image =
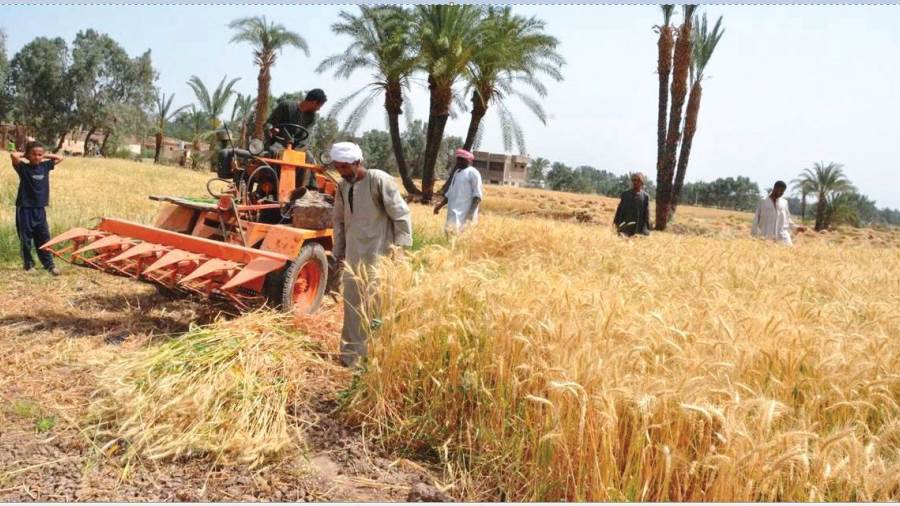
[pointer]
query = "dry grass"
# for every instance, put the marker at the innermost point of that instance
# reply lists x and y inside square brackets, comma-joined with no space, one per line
[552,361]
[83,189]
[226,392]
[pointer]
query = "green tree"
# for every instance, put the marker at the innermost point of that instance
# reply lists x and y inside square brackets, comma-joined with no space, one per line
[825,180]
[164,114]
[213,104]
[326,133]
[681,65]
[414,146]
[704,44]
[42,95]
[537,168]
[377,150]
[267,40]
[445,36]
[561,177]
[382,45]
[111,89]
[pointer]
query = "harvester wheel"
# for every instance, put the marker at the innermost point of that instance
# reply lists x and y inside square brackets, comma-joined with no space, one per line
[300,287]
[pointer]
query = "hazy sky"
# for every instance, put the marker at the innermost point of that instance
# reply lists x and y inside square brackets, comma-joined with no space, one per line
[787,86]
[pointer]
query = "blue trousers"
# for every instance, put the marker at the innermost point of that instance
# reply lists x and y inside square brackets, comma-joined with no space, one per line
[32,227]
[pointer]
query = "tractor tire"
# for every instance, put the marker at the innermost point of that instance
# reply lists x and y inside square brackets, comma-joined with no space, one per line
[300,287]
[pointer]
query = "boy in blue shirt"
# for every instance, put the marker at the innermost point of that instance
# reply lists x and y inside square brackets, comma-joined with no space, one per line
[33,168]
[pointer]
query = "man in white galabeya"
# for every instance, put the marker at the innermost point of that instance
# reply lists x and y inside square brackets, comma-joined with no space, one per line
[464,195]
[772,220]
[370,218]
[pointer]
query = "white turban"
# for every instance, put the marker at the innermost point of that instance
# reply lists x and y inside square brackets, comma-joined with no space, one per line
[346,152]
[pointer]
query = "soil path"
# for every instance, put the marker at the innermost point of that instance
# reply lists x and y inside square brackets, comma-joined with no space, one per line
[55,332]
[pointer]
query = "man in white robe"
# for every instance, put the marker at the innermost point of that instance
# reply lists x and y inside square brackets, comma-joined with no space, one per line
[464,196]
[370,218]
[772,220]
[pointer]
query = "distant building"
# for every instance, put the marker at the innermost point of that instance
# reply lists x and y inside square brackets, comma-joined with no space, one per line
[502,169]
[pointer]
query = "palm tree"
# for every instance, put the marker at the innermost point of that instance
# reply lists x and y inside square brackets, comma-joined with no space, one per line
[825,180]
[382,44]
[213,105]
[664,69]
[240,114]
[164,114]
[511,50]
[446,42]
[267,39]
[805,188]
[680,69]
[704,44]
[198,122]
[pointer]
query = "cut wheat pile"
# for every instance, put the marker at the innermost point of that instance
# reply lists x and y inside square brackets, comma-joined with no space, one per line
[550,361]
[225,391]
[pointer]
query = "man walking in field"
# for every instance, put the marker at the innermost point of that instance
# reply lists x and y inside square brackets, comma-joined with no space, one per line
[370,218]
[33,168]
[633,213]
[772,220]
[464,196]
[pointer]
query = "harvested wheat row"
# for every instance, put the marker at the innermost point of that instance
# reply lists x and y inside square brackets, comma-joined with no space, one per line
[224,391]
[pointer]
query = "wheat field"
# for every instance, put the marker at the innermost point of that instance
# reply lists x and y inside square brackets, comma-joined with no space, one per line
[536,357]
[541,360]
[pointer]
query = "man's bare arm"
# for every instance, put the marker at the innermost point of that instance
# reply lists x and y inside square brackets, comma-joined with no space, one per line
[15,158]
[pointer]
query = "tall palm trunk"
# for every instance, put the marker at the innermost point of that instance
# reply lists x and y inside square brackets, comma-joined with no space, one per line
[262,101]
[393,104]
[681,66]
[479,110]
[664,69]
[159,140]
[437,120]
[242,142]
[690,127]
[820,211]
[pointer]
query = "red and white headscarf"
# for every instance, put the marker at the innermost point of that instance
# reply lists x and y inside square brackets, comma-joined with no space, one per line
[462,153]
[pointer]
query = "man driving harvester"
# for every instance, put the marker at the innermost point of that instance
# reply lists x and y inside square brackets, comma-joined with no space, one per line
[289,123]
[302,114]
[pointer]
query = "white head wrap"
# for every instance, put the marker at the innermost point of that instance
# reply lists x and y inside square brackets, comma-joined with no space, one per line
[346,152]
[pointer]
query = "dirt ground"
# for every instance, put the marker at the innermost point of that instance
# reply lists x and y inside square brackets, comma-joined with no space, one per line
[55,333]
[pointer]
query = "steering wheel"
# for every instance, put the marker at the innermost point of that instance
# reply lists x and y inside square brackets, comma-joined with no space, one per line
[290,133]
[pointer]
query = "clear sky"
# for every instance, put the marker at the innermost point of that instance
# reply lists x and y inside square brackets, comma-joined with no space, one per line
[787,86]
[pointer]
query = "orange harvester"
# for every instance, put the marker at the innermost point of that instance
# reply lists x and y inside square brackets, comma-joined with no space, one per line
[232,250]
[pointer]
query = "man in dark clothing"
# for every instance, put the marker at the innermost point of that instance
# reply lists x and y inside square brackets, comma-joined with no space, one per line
[633,213]
[33,168]
[301,113]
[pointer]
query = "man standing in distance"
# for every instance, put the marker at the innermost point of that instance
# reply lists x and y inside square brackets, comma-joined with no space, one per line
[464,196]
[633,214]
[772,220]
